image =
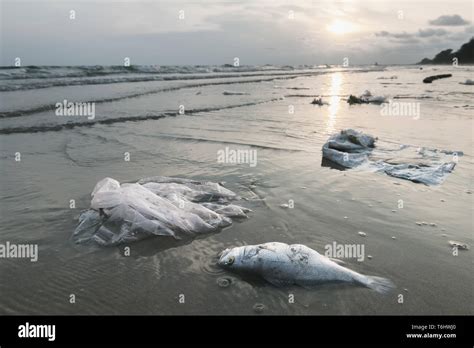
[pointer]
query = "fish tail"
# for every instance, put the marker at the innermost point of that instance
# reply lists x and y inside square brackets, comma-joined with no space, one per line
[379,284]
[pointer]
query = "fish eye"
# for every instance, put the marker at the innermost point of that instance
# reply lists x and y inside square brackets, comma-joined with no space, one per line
[230,260]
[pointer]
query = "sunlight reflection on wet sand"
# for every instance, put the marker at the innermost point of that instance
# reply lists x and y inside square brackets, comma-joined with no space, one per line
[334,91]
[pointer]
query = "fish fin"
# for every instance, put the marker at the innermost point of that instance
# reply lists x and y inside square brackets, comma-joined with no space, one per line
[309,285]
[339,262]
[379,284]
[281,283]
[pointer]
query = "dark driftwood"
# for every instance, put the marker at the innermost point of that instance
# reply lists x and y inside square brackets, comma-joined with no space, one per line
[436,77]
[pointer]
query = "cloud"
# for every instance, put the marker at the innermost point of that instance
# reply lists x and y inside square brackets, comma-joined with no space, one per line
[449,20]
[257,32]
[431,32]
[469,29]
[412,37]
[406,41]
[403,35]
[382,33]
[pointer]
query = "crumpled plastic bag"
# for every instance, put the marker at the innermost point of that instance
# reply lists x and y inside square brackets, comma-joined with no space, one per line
[159,206]
[351,149]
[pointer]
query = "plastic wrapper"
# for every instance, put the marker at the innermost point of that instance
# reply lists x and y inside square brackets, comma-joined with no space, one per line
[160,206]
[351,149]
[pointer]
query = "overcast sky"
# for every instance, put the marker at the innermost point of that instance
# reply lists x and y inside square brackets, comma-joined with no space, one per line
[214,32]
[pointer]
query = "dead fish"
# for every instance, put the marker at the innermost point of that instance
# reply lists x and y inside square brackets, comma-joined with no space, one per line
[281,265]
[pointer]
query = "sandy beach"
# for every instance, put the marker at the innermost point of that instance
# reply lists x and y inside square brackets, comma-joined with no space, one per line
[177,127]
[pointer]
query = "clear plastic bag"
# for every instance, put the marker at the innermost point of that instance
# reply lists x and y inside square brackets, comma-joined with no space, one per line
[170,207]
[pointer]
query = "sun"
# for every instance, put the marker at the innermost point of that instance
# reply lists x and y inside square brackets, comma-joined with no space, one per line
[340,27]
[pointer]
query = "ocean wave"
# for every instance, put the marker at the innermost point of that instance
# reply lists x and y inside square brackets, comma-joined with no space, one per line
[48,72]
[71,125]
[37,77]
[48,107]
[204,140]
[38,84]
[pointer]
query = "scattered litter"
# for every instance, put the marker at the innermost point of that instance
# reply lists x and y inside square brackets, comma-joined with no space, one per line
[350,148]
[459,245]
[259,308]
[366,98]
[318,101]
[234,93]
[158,206]
[468,82]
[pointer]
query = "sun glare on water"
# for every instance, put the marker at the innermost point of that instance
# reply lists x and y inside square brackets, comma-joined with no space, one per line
[340,27]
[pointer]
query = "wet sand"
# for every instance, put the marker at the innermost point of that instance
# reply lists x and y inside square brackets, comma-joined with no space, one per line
[63,165]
